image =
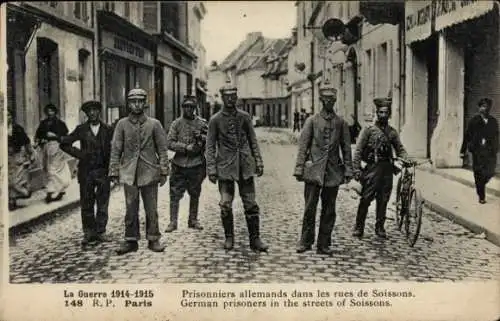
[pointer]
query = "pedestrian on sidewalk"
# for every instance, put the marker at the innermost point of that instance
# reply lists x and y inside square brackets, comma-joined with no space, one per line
[139,160]
[187,138]
[47,136]
[233,155]
[323,139]
[374,147]
[21,156]
[93,163]
[481,140]
[296,117]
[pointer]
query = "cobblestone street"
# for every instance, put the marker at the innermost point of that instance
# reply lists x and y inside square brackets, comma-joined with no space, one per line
[51,252]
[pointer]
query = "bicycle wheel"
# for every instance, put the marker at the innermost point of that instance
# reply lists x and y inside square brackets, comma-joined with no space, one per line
[413,218]
[399,205]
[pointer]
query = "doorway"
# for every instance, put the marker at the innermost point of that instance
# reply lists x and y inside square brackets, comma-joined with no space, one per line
[48,73]
[432,53]
[159,97]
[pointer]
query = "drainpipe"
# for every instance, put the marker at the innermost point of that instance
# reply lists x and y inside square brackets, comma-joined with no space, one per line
[312,77]
[95,42]
[402,71]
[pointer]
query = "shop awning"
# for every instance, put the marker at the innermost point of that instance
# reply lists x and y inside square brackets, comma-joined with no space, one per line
[418,20]
[449,13]
[378,12]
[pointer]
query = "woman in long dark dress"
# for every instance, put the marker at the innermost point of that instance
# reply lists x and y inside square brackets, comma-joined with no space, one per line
[21,156]
[55,160]
[481,140]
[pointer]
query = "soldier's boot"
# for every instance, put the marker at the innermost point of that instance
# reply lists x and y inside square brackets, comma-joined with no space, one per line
[174,213]
[380,219]
[193,214]
[127,247]
[156,246]
[228,224]
[253,224]
[360,220]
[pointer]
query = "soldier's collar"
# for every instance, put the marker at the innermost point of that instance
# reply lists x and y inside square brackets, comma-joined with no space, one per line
[229,111]
[327,115]
[134,119]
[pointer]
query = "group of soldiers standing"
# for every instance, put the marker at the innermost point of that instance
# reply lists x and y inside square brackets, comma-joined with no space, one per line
[135,154]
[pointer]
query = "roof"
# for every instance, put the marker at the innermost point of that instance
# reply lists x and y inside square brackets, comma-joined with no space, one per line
[279,64]
[234,56]
[257,58]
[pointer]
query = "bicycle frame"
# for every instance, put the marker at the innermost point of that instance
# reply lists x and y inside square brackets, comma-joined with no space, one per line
[406,187]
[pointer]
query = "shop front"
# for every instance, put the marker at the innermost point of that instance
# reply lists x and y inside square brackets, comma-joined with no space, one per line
[176,63]
[126,62]
[452,61]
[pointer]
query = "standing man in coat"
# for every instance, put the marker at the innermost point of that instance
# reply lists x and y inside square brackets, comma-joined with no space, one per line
[139,160]
[374,147]
[187,138]
[233,155]
[481,140]
[323,139]
[93,162]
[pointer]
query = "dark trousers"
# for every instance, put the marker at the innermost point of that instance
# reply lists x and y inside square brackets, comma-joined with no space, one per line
[94,190]
[481,180]
[377,184]
[484,163]
[247,193]
[312,194]
[149,195]
[184,179]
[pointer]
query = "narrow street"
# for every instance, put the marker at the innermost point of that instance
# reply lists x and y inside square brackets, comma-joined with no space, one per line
[51,253]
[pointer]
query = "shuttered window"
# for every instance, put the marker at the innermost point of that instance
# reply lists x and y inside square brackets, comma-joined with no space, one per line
[150,16]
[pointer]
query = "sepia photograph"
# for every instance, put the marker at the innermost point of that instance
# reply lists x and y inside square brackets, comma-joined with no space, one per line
[299,152]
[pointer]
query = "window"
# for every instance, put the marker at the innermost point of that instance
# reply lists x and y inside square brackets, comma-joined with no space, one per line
[81,10]
[109,6]
[170,19]
[341,10]
[382,77]
[126,9]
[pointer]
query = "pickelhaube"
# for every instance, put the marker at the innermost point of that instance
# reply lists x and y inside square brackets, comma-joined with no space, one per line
[383,101]
[326,89]
[137,93]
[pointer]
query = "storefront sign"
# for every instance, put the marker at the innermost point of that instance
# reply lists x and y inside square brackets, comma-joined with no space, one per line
[418,20]
[126,49]
[450,12]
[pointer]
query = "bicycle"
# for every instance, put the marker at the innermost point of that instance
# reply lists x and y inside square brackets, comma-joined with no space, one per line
[409,201]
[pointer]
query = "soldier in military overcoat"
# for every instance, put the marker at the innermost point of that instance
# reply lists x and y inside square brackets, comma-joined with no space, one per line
[323,163]
[233,155]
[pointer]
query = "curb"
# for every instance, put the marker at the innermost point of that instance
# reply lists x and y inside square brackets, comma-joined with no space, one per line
[490,236]
[15,229]
[468,183]
[44,216]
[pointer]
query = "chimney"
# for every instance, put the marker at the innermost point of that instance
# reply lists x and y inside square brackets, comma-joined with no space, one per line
[253,36]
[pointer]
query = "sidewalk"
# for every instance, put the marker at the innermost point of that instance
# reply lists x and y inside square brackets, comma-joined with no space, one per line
[36,208]
[451,193]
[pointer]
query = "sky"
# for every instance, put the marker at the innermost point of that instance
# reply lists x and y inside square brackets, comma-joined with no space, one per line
[227,23]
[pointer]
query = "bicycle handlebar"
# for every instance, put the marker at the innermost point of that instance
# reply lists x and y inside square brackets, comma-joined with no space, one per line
[411,163]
